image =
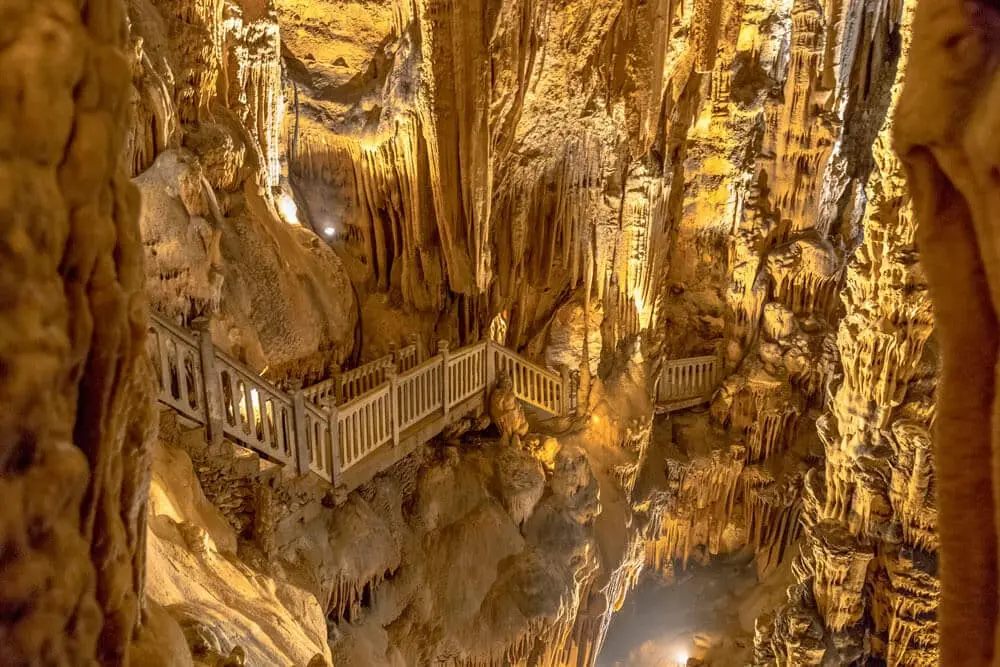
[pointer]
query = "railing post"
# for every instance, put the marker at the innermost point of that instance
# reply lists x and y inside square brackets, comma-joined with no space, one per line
[211,390]
[443,351]
[338,386]
[491,367]
[564,394]
[393,378]
[414,340]
[334,446]
[299,429]
[394,353]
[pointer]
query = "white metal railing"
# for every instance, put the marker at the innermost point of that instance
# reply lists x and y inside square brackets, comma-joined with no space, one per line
[323,393]
[177,362]
[466,373]
[357,382]
[420,393]
[365,425]
[534,385]
[688,379]
[255,413]
[408,357]
[318,435]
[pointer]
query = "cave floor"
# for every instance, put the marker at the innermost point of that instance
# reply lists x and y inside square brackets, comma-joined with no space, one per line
[708,613]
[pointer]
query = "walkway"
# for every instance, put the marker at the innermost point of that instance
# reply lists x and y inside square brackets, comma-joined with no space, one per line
[350,428]
[685,383]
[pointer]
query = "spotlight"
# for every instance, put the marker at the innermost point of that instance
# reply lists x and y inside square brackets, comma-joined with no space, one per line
[682,658]
[330,232]
[288,210]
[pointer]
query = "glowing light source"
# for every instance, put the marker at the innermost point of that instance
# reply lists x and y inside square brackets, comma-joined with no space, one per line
[640,303]
[330,232]
[595,419]
[288,210]
[681,657]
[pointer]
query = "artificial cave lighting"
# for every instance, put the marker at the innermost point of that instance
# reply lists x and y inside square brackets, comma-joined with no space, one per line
[288,209]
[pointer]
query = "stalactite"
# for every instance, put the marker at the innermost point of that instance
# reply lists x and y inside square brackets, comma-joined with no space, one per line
[347,596]
[700,500]
[198,34]
[870,524]
[772,515]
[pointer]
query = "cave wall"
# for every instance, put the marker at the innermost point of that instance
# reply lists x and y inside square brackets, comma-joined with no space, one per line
[698,171]
[867,573]
[74,383]
[471,159]
[202,145]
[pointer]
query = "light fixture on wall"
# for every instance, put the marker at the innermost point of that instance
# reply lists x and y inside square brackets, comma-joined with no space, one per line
[329,232]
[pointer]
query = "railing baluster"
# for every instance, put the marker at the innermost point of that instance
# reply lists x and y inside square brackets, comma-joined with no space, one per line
[445,384]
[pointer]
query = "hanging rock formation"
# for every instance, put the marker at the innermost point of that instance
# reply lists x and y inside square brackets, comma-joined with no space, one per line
[600,185]
[868,565]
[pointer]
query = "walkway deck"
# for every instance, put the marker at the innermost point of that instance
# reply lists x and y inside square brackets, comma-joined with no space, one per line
[387,413]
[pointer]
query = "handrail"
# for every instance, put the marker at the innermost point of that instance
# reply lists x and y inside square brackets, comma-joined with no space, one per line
[683,381]
[690,360]
[322,392]
[420,393]
[175,356]
[257,414]
[407,358]
[312,432]
[348,385]
[365,425]
[534,385]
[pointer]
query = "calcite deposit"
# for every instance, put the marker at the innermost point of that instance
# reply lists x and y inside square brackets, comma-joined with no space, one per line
[607,190]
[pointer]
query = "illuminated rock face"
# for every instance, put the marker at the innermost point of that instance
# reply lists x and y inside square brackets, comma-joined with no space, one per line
[868,567]
[204,147]
[701,173]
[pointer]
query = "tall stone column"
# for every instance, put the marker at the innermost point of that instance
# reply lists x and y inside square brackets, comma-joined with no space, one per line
[75,411]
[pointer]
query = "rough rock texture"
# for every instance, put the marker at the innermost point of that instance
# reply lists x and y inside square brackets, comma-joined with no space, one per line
[605,185]
[73,378]
[945,133]
[469,157]
[221,604]
[506,410]
[868,567]
[203,145]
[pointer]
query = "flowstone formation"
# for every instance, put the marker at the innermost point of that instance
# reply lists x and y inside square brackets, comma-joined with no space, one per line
[600,186]
[203,147]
